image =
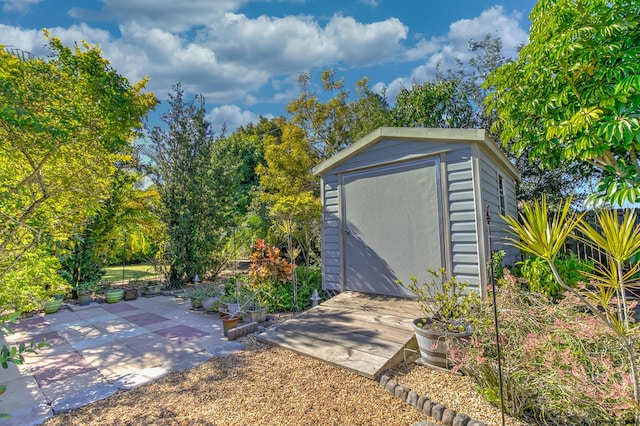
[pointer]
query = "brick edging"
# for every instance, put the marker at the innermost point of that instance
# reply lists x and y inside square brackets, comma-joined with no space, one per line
[425,405]
[241,331]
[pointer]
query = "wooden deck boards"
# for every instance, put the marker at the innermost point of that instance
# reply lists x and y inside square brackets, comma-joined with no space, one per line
[363,333]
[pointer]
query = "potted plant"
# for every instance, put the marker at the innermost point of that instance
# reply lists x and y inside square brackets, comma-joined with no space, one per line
[153,288]
[84,290]
[131,290]
[446,305]
[199,294]
[255,312]
[114,295]
[52,306]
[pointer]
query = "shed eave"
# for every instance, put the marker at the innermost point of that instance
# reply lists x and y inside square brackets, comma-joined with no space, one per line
[478,136]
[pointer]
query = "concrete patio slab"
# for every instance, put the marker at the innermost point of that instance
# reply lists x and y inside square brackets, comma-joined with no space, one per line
[101,348]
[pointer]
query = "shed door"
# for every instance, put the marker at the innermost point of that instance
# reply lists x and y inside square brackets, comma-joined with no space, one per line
[391,226]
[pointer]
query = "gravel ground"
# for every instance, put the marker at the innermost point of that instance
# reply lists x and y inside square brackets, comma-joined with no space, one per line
[262,386]
[454,391]
[271,386]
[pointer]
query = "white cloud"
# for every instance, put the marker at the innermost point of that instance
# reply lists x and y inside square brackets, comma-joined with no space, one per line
[18,5]
[371,3]
[295,43]
[33,41]
[423,48]
[445,51]
[171,15]
[232,116]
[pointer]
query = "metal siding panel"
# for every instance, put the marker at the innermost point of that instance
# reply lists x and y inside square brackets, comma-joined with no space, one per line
[465,258]
[460,186]
[472,280]
[460,237]
[459,206]
[463,227]
[332,261]
[462,175]
[460,269]
[463,217]
[389,150]
[461,196]
[465,248]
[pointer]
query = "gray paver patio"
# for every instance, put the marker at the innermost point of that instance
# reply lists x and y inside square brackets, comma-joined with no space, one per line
[96,350]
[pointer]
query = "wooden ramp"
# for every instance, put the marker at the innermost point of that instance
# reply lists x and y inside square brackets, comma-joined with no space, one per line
[364,333]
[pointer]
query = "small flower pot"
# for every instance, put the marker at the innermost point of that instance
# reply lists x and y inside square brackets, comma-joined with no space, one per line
[84,299]
[114,295]
[228,323]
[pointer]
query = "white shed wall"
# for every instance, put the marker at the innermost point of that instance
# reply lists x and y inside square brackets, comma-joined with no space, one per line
[461,255]
[491,197]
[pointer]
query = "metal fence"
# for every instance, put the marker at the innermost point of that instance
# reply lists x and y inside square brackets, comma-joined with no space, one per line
[585,251]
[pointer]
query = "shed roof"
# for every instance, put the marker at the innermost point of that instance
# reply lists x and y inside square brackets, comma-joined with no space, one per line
[478,136]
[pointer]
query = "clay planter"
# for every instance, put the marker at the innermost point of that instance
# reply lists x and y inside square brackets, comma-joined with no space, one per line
[433,344]
[228,324]
[52,306]
[84,299]
[114,295]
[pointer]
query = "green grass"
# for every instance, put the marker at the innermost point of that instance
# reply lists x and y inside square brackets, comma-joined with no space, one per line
[131,272]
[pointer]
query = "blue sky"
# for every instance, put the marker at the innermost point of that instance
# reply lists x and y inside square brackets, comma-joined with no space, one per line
[244,55]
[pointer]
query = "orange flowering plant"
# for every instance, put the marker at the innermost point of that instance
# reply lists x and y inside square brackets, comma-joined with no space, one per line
[268,265]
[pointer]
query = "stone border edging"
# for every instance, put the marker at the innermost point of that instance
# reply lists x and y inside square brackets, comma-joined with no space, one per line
[424,404]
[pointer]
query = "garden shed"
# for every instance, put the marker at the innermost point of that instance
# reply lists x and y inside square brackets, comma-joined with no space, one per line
[401,200]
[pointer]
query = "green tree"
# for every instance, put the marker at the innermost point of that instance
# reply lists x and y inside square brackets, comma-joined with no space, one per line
[194,201]
[64,123]
[442,103]
[125,224]
[573,94]
[456,98]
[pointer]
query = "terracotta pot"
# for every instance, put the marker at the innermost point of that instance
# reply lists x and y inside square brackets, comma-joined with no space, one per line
[228,324]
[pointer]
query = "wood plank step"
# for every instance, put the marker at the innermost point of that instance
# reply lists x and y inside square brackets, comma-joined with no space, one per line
[363,333]
[363,340]
[361,324]
[362,363]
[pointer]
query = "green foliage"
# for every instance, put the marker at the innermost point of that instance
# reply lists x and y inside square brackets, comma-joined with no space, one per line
[443,300]
[278,295]
[200,293]
[33,281]
[64,122]
[193,188]
[433,104]
[609,282]
[560,364]
[541,279]
[496,263]
[573,94]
